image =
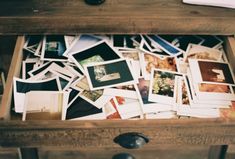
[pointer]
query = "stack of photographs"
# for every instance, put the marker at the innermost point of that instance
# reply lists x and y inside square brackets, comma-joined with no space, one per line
[96,77]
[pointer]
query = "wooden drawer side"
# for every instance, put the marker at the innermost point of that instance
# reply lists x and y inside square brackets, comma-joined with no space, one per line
[15,69]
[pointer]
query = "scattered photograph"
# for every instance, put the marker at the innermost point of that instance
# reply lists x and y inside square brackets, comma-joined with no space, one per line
[97,98]
[211,71]
[27,66]
[165,46]
[183,41]
[128,108]
[23,86]
[111,110]
[81,109]
[50,108]
[143,94]
[211,41]
[150,62]
[228,113]
[72,94]
[202,52]
[128,91]
[81,42]
[109,74]
[53,48]
[33,44]
[163,87]
[99,52]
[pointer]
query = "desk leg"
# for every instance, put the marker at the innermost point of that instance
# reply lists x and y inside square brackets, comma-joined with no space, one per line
[28,153]
[217,152]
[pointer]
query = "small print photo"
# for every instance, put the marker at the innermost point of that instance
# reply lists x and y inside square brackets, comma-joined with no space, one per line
[157,62]
[80,109]
[128,91]
[110,109]
[163,87]
[211,71]
[202,52]
[165,45]
[99,52]
[50,108]
[97,98]
[209,91]
[53,48]
[109,74]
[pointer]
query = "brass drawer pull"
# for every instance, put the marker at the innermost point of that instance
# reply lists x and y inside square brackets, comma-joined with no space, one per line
[123,156]
[131,140]
[94,2]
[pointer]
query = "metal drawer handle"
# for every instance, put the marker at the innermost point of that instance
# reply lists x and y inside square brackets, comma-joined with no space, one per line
[123,156]
[94,2]
[131,140]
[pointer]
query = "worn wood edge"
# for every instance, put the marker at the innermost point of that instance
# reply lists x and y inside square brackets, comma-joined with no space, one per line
[14,70]
[89,25]
[90,124]
[230,50]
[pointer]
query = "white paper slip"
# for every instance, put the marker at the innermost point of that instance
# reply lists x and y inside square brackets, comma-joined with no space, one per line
[217,3]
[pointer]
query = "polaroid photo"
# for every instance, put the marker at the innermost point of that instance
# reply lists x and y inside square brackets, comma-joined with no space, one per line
[211,71]
[182,42]
[27,66]
[33,44]
[128,91]
[53,48]
[143,95]
[80,109]
[100,52]
[74,70]
[136,40]
[81,84]
[122,42]
[134,57]
[81,42]
[215,91]
[164,45]
[73,93]
[146,46]
[184,108]
[109,74]
[23,86]
[228,113]
[163,86]
[211,41]
[151,61]
[39,69]
[44,69]
[128,108]
[202,52]
[96,98]
[110,109]
[196,103]
[50,108]
[69,39]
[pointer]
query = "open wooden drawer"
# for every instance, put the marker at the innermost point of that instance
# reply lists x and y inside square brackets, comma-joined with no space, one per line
[101,134]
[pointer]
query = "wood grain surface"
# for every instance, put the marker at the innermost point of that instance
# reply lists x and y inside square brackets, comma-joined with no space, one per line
[100,134]
[114,16]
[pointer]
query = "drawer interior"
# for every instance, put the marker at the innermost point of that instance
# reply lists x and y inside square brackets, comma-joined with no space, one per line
[15,70]
[91,134]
